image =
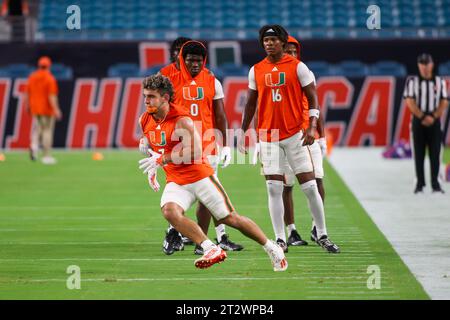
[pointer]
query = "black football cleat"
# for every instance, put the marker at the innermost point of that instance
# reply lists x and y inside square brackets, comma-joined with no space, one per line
[328,245]
[187,241]
[314,234]
[295,239]
[171,241]
[198,250]
[228,245]
[283,245]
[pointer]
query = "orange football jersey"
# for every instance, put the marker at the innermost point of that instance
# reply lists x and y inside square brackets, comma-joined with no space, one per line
[280,98]
[196,96]
[160,134]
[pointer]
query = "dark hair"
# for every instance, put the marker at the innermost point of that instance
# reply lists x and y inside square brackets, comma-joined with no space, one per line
[160,83]
[194,48]
[177,44]
[281,33]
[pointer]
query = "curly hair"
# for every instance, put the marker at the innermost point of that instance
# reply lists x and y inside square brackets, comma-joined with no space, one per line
[281,32]
[160,83]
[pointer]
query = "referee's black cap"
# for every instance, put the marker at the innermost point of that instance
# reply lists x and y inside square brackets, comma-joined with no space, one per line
[424,58]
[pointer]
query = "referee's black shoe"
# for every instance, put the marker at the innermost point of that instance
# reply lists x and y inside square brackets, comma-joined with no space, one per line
[418,189]
[438,190]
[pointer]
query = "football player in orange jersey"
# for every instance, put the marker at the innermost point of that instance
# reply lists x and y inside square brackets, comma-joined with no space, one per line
[201,94]
[175,48]
[277,85]
[318,150]
[176,146]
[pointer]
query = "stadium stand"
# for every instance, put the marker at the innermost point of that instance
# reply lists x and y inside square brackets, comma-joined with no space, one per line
[444,69]
[123,70]
[165,20]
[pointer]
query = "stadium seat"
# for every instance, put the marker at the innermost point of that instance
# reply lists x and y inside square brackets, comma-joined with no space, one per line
[150,71]
[314,19]
[391,68]
[61,71]
[231,69]
[123,70]
[19,70]
[444,69]
[352,68]
[321,68]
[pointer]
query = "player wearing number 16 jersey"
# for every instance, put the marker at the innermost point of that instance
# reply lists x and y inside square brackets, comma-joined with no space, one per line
[277,85]
[201,95]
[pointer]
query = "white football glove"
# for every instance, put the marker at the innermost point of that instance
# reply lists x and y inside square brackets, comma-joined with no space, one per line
[256,153]
[225,156]
[143,146]
[151,163]
[323,146]
[152,180]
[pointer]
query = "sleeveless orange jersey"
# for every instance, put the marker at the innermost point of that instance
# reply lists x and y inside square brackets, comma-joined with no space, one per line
[196,95]
[159,134]
[280,98]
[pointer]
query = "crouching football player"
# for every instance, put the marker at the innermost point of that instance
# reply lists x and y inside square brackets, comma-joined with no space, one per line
[176,147]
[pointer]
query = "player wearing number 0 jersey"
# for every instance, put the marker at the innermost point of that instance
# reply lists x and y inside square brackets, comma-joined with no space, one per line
[201,95]
[175,145]
[277,85]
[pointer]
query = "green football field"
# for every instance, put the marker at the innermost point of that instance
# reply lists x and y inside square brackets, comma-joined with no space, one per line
[102,217]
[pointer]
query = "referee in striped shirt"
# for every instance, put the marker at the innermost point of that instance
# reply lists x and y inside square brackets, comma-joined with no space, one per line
[426,98]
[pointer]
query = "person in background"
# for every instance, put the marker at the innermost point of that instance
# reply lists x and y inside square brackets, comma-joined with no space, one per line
[42,103]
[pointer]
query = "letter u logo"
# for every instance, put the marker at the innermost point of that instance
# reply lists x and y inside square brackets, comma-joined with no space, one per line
[270,79]
[162,138]
[189,94]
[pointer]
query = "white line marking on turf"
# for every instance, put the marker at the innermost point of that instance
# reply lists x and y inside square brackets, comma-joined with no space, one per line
[111,279]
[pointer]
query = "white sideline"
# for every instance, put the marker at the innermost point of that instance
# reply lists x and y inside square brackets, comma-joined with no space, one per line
[418,226]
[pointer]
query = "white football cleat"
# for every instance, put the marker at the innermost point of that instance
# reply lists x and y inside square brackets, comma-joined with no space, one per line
[278,259]
[212,256]
[48,160]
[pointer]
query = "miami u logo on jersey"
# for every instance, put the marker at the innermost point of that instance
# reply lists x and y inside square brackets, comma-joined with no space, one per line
[270,81]
[189,94]
[162,138]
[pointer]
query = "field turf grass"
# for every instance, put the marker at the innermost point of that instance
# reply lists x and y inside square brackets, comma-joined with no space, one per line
[102,217]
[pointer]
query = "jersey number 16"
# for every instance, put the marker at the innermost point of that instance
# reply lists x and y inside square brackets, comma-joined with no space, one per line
[276,95]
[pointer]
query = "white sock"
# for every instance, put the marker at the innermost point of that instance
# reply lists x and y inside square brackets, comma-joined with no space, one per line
[269,245]
[276,207]
[290,228]
[315,206]
[220,231]
[206,245]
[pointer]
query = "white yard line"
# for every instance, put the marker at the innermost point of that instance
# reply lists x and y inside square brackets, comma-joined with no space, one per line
[416,225]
